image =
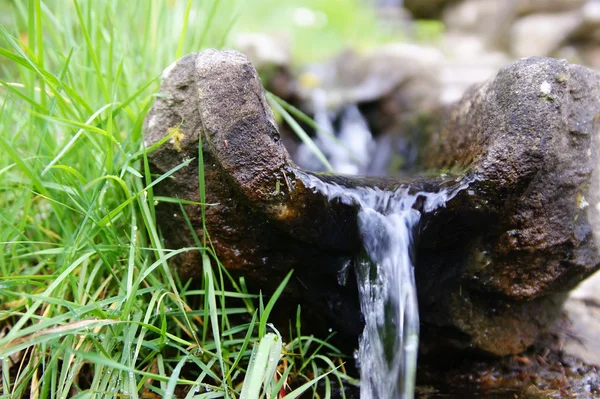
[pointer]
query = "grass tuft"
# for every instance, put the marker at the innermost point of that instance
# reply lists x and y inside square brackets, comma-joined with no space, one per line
[89,305]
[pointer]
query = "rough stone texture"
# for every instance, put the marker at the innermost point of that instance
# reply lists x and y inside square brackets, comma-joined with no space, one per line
[259,229]
[492,267]
[536,374]
[529,135]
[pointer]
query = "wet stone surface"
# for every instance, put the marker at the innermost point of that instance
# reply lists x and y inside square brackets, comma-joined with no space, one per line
[493,266]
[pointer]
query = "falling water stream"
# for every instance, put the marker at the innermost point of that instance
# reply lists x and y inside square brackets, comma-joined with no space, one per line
[387,354]
[349,149]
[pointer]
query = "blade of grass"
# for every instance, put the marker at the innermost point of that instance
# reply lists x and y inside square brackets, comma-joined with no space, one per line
[70,143]
[182,36]
[299,132]
[92,52]
[260,370]
[267,310]
[212,305]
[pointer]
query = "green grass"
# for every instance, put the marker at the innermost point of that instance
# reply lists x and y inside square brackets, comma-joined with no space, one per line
[89,305]
[318,30]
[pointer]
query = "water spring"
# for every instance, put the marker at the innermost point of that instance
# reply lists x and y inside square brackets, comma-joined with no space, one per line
[349,149]
[387,354]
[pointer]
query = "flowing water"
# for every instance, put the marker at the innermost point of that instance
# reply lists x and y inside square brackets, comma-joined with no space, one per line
[348,149]
[387,354]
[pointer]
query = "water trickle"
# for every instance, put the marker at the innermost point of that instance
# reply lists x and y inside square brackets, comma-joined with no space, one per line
[348,149]
[387,354]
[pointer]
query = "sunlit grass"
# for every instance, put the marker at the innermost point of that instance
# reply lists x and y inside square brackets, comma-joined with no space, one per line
[89,305]
[317,30]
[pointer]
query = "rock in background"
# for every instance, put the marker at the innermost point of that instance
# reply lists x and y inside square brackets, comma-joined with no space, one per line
[559,28]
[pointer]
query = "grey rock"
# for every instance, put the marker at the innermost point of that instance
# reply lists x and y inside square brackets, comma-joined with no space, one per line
[583,310]
[264,51]
[527,28]
[542,34]
[262,222]
[547,6]
[590,55]
[486,18]
[493,266]
[355,78]
[530,134]
[468,62]
[588,30]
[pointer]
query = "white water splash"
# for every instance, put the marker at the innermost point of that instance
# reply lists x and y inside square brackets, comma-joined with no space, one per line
[348,150]
[387,354]
[388,346]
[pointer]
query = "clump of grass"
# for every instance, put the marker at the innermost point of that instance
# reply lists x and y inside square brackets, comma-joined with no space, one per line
[89,305]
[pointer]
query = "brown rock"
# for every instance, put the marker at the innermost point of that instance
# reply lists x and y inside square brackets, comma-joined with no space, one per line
[261,220]
[492,266]
[529,136]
